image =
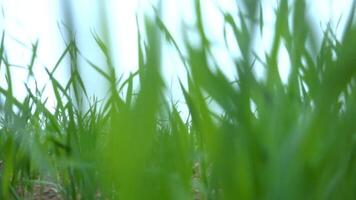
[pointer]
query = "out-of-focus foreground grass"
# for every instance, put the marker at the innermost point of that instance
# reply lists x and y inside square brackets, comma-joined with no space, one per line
[245,139]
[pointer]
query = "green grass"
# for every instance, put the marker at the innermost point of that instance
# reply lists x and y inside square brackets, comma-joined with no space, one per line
[244,139]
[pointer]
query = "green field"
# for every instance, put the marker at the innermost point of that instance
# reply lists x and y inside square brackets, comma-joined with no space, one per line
[247,138]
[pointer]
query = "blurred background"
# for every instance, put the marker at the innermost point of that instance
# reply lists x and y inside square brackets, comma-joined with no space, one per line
[49,24]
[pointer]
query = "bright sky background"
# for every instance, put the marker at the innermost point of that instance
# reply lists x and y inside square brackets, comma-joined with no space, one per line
[26,21]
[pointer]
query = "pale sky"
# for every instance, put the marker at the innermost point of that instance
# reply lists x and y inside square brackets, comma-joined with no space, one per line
[26,21]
